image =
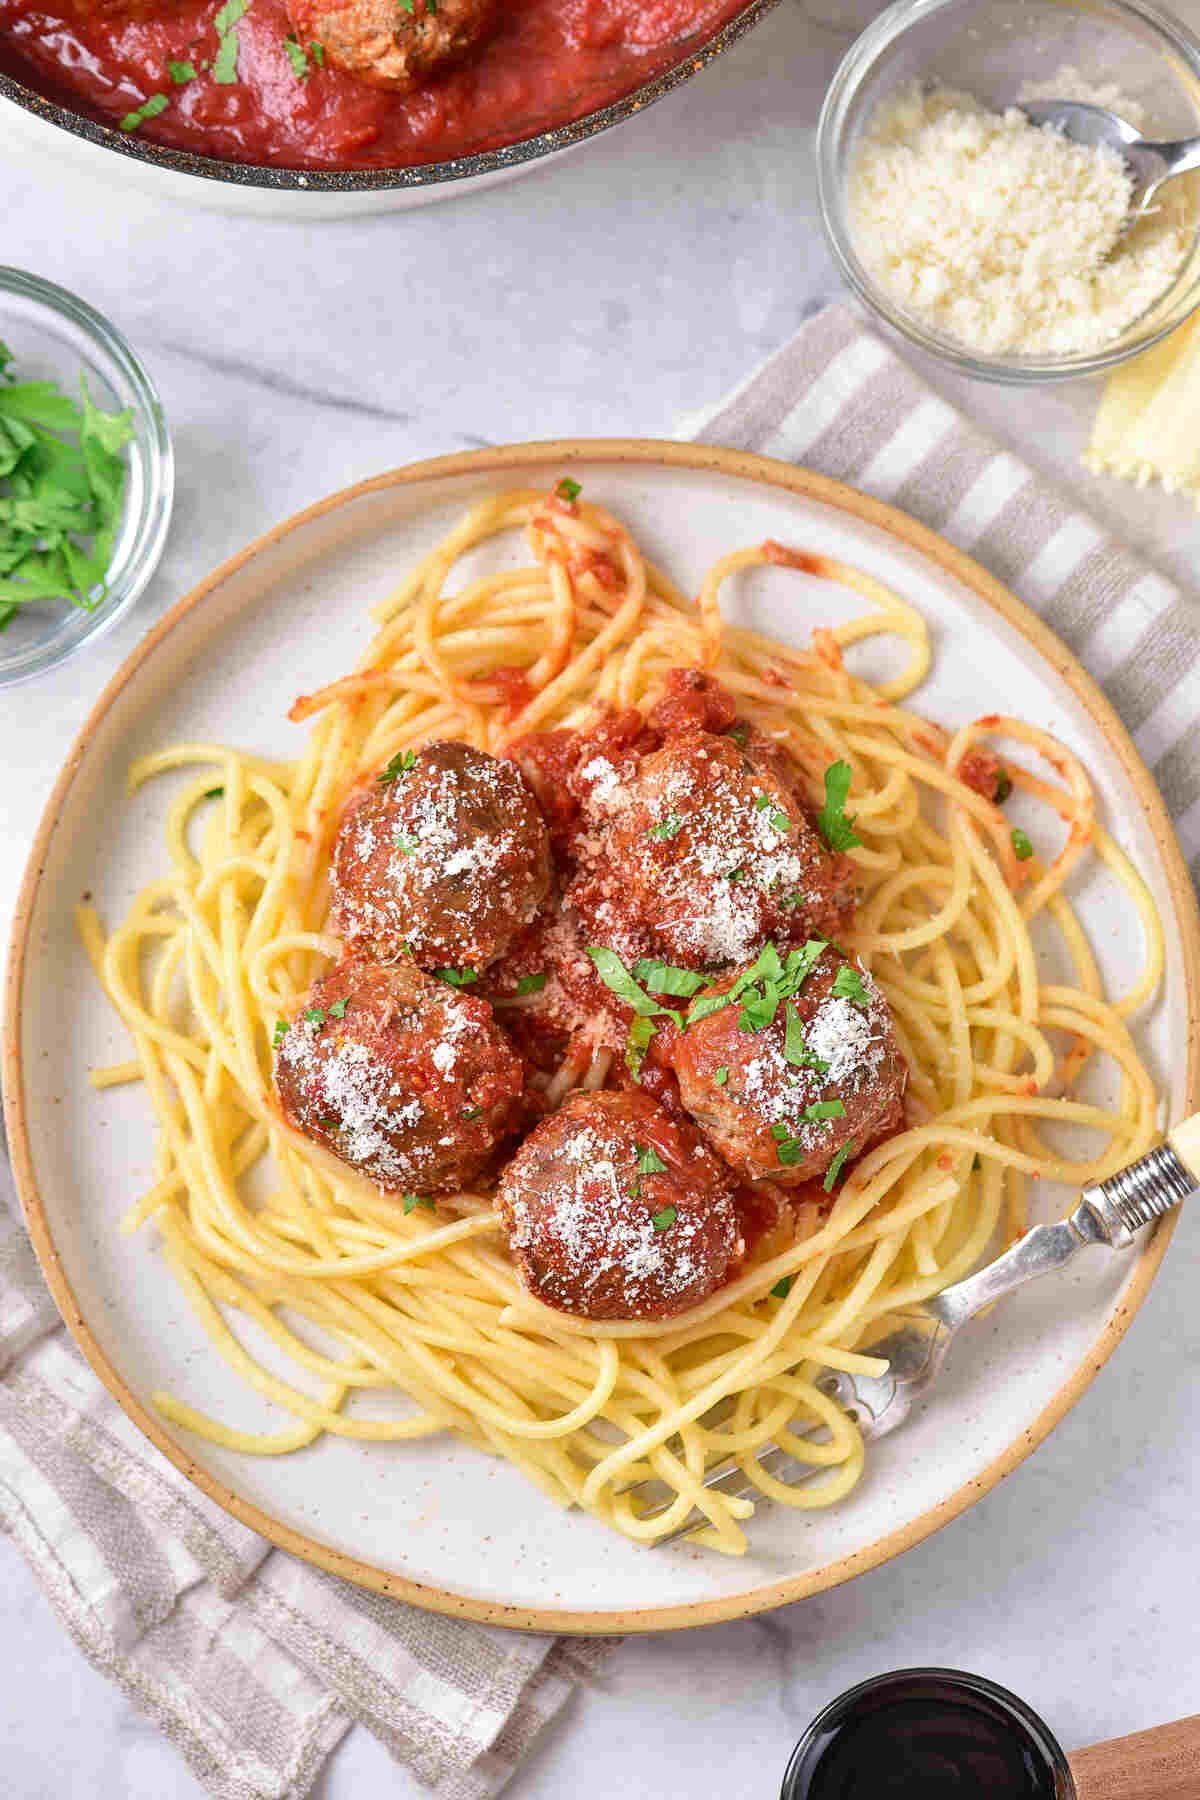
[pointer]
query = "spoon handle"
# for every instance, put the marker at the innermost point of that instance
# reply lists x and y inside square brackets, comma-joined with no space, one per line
[1179,157]
[1160,1764]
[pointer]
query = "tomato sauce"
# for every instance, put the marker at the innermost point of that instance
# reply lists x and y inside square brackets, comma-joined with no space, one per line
[546,62]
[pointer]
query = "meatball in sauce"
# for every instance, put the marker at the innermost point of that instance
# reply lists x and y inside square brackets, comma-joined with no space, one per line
[407,1080]
[701,855]
[821,1079]
[445,859]
[388,44]
[617,1211]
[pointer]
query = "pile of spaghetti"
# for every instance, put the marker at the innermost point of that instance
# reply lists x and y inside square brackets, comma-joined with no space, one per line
[272,1239]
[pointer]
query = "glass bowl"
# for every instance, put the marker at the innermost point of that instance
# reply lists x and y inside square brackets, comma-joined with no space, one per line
[990,48]
[55,336]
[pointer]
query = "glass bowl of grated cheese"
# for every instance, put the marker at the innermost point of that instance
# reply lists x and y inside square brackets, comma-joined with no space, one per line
[995,245]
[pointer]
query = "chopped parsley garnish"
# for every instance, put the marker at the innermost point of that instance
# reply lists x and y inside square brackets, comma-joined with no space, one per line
[783,1288]
[458,978]
[663,1221]
[833,822]
[722,1075]
[848,984]
[213,793]
[665,978]
[224,68]
[668,828]
[1003,787]
[821,1110]
[317,52]
[778,819]
[1022,848]
[314,1015]
[637,1043]
[410,1202]
[62,492]
[408,6]
[280,1032]
[739,734]
[405,843]
[532,984]
[649,1162]
[401,764]
[472,1112]
[329,1122]
[795,1049]
[149,109]
[338,1009]
[736,875]
[297,56]
[760,988]
[761,802]
[836,1166]
[181,72]
[615,975]
[790,1150]
[567,489]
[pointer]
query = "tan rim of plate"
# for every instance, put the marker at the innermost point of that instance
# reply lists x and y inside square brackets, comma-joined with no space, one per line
[508,461]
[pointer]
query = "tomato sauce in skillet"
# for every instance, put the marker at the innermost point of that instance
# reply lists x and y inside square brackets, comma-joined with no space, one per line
[544,63]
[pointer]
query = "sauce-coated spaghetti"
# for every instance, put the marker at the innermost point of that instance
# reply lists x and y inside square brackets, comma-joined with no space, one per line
[272,1237]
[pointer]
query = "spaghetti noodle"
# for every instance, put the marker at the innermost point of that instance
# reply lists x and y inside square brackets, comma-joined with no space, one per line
[273,1240]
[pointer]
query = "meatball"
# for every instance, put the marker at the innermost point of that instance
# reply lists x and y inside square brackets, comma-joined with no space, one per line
[702,856]
[444,859]
[822,1079]
[616,1211]
[407,1080]
[389,43]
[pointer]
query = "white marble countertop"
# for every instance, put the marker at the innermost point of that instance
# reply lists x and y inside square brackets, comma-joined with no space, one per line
[610,294]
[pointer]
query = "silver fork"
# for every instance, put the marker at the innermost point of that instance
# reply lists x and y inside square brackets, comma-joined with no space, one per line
[1110,1213]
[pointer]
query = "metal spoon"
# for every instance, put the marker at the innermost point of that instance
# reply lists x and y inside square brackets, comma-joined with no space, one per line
[1110,1214]
[1149,163]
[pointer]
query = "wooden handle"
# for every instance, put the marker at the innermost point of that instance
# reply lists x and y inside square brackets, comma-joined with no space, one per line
[1163,1764]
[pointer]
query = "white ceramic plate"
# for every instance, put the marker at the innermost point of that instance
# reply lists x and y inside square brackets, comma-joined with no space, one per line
[438,1523]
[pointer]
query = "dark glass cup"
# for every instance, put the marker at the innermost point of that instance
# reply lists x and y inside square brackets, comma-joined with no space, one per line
[928,1734]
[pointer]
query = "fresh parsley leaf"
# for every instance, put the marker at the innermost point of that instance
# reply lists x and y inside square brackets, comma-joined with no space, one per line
[1022,848]
[761,802]
[736,875]
[458,978]
[338,1009]
[833,822]
[637,1043]
[229,15]
[471,1112]
[821,1110]
[722,1075]
[789,1150]
[739,734]
[149,109]
[836,1166]
[1003,787]
[181,72]
[795,1049]
[213,793]
[848,984]
[408,6]
[663,1221]
[405,843]
[649,1162]
[567,489]
[317,52]
[410,1202]
[665,978]
[783,1288]
[615,975]
[667,828]
[297,56]
[532,984]
[779,820]
[401,764]
[279,1033]
[329,1122]
[225,62]
[314,1015]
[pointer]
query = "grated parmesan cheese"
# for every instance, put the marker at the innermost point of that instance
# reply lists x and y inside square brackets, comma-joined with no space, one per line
[1001,234]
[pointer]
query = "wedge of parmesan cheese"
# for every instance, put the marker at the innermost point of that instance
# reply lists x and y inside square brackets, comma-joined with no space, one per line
[1148,425]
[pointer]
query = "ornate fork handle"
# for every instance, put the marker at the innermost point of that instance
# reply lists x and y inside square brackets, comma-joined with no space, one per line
[1110,1212]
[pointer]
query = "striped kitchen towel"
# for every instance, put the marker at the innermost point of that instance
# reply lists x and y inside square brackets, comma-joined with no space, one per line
[837,399]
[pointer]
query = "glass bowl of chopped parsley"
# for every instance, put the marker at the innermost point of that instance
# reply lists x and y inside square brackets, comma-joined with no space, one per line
[86,475]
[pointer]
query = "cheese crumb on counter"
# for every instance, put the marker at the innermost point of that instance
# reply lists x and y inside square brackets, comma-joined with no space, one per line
[1002,234]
